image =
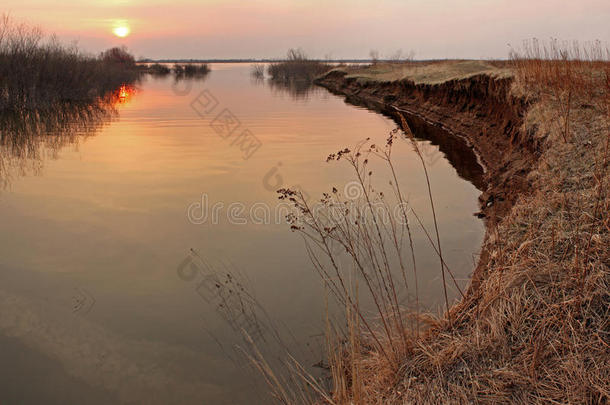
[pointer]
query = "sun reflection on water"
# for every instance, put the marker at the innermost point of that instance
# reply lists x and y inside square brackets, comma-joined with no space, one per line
[124,94]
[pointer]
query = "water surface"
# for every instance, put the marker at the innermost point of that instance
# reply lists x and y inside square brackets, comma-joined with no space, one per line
[98,303]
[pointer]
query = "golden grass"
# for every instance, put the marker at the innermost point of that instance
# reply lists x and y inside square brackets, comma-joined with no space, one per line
[424,72]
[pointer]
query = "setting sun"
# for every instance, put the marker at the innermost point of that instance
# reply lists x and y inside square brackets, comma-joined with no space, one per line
[121,31]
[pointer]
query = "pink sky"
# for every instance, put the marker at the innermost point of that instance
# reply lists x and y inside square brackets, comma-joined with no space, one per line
[336,28]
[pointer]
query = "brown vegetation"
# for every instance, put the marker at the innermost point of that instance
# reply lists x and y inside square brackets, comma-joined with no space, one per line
[36,72]
[534,327]
[190,70]
[157,69]
[258,71]
[436,72]
[297,68]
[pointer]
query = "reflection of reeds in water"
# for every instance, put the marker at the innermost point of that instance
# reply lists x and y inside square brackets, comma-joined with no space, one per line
[227,291]
[297,90]
[27,137]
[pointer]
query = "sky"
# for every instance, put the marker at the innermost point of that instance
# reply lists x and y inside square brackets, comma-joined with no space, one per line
[208,29]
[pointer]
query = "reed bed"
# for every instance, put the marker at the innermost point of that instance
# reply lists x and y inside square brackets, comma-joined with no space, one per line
[297,68]
[191,70]
[258,71]
[37,71]
[561,72]
[157,69]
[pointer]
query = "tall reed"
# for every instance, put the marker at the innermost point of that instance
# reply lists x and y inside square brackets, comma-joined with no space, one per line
[361,242]
[258,70]
[37,71]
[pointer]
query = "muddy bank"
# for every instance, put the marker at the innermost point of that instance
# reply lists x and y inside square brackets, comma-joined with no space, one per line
[479,112]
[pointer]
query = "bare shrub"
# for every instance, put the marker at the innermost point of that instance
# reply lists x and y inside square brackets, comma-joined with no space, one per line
[258,70]
[191,69]
[37,71]
[297,68]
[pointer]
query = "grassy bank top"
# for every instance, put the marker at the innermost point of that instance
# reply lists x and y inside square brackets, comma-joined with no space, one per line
[424,72]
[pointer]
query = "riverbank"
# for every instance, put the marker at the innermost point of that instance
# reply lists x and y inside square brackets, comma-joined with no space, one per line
[533,326]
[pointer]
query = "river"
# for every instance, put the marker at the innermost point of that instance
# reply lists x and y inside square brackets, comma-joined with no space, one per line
[111,221]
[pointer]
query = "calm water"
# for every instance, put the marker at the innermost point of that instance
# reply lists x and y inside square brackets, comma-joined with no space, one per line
[99,302]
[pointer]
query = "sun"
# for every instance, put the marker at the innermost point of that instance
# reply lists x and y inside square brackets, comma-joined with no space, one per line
[121,31]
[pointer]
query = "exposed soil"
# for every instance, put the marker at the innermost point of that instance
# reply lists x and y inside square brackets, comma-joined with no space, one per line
[478,111]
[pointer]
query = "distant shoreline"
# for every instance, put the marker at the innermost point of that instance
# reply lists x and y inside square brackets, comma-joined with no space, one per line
[244,60]
[284,60]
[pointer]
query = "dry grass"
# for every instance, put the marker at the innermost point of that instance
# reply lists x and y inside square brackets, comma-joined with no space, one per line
[37,71]
[562,72]
[424,72]
[360,241]
[536,329]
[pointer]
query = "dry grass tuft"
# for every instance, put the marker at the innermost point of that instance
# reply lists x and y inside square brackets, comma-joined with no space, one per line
[565,74]
[425,72]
